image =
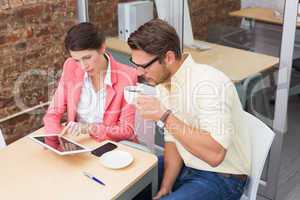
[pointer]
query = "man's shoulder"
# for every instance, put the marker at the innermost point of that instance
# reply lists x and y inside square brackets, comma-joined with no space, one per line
[203,72]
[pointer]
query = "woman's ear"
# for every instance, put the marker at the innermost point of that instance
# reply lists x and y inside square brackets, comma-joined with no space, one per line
[170,58]
[102,49]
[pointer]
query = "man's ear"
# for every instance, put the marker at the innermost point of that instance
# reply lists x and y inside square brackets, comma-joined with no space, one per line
[170,58]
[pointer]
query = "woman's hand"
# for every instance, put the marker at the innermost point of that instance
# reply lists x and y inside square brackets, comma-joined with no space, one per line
[76,128]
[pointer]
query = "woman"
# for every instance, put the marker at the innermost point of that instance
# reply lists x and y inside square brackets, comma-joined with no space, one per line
[91,90]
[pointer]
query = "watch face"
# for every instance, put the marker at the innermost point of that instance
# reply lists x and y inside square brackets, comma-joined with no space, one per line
[160,124]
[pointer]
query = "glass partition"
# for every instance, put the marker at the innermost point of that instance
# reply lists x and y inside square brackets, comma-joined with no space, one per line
[243,39]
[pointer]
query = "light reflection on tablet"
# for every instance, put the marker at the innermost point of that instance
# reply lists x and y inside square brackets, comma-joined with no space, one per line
[59,143]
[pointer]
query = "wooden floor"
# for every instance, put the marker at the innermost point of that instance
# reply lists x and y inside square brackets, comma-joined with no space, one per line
[289,177]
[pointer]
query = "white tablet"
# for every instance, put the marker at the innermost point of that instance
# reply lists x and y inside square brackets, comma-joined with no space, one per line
[59,144]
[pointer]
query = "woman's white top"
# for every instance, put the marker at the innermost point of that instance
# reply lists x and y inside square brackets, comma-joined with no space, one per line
[91,105]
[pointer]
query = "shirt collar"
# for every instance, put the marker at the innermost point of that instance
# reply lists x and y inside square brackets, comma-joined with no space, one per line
[186,63]
[107,79]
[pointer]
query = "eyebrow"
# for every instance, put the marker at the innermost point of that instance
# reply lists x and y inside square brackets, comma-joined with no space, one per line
[84,57]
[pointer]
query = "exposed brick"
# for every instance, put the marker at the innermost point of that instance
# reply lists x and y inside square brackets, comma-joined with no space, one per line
[10,38]
[34,10]
[5,102]
[4,4]
[30,38]
[21,46]
[29,33]
[207,12]
[29,1]
[203,13]
[3,27]
[42,31]
[15,3]
[2,39]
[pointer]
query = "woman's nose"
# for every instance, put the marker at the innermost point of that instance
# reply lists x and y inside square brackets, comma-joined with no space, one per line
[83,65]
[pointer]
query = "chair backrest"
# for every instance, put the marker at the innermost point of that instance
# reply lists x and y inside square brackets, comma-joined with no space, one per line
[2,141]
[261,137]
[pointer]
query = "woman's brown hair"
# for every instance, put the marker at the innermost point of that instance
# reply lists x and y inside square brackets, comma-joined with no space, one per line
[84,36]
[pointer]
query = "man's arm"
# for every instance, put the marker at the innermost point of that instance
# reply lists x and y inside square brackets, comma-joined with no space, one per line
[172,166]
[209,146]
[198,142]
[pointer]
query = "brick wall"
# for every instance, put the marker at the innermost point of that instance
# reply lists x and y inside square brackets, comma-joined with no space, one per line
[104,13]
[203,13]
[31,56]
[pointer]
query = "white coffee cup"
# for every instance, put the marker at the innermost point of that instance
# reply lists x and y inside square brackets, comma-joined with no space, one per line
[131,93]
[147,89]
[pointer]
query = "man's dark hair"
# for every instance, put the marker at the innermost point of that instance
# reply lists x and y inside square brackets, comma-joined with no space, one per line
[155,37]
[84,36]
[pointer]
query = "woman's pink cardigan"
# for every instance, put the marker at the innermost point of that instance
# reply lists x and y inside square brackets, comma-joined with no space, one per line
[118,119]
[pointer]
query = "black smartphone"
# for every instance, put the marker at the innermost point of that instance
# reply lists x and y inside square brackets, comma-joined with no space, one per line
[103,149]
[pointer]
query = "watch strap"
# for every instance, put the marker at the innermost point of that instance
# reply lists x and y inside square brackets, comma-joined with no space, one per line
[165,116]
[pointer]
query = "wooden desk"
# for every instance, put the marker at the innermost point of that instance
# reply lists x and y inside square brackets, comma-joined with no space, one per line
[259,14]
[29,172]
[235,63]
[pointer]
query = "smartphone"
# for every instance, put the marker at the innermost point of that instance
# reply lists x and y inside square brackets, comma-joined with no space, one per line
[103,149]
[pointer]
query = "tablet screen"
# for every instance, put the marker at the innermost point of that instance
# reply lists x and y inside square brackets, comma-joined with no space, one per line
[59,143]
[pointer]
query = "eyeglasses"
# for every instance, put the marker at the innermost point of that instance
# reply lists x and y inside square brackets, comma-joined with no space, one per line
[144,65]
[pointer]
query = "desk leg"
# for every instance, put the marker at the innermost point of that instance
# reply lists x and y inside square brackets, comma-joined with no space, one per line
[150,178]
[155,181]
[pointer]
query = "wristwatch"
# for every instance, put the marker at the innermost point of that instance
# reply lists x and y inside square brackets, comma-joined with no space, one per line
[161,122]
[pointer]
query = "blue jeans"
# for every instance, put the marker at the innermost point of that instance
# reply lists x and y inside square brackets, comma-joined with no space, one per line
[193,184]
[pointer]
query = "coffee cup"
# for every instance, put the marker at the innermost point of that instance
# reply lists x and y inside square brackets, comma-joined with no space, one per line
[131,93]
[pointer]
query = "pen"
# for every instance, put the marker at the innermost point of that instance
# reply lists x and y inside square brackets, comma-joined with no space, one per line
[93,178]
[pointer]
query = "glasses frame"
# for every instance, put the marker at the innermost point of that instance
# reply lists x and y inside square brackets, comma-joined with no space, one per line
[144,66]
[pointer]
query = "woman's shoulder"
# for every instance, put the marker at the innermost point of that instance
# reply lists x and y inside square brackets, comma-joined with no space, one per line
[70,63]
[71,69]
[124,72]
[127,69]
[127,74]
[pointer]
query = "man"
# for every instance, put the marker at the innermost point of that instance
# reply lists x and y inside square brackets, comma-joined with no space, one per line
[207,148]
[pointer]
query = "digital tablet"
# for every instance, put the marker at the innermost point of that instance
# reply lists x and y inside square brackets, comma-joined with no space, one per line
[59,144]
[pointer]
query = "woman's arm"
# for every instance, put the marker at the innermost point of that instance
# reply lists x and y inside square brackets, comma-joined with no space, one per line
[123,130]
[52,118]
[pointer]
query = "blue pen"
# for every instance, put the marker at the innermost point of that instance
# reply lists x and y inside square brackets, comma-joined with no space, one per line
[93,178]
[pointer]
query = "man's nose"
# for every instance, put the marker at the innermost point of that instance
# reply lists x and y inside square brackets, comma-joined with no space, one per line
[140,71]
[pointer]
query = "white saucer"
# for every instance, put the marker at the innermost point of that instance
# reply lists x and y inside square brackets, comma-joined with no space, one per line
[116,159]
